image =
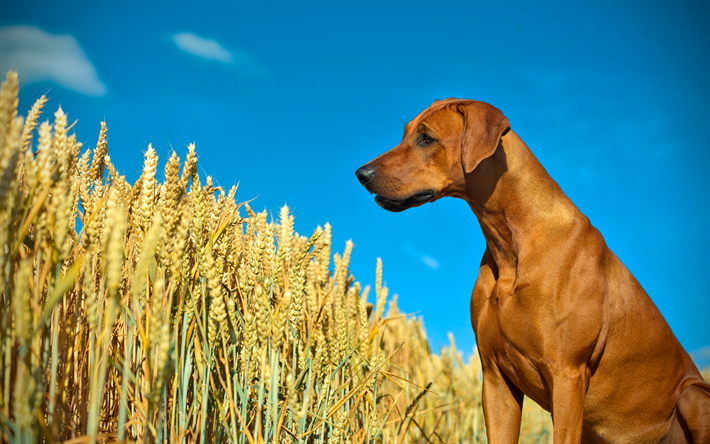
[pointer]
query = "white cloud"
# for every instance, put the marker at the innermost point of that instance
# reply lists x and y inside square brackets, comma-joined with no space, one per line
[211,50]
[42,57]
[430,262]
[202,47]
[416,254]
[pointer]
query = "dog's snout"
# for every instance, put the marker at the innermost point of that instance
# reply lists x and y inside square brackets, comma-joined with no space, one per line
[365,174]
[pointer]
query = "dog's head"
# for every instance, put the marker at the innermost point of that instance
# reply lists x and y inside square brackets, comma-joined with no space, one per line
[440,146]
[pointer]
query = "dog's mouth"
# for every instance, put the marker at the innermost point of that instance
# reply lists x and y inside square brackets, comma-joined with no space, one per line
[397,205]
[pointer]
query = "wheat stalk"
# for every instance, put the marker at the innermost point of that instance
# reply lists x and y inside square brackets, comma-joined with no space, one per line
[150,312]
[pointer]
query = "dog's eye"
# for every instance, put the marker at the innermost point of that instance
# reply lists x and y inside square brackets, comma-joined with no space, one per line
[425,140]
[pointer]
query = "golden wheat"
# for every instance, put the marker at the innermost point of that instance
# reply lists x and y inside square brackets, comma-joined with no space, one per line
[170,317]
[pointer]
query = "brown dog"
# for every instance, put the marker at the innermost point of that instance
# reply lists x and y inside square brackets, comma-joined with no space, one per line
[557,316]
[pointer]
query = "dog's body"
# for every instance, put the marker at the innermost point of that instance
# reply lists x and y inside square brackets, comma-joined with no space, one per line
[556,315]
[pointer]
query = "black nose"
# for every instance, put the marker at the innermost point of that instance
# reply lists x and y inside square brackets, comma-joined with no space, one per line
[364,174]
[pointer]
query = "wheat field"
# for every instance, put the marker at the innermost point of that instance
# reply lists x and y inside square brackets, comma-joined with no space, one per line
[168,312]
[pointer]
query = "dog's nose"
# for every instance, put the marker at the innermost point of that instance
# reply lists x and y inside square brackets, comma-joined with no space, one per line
[364,174]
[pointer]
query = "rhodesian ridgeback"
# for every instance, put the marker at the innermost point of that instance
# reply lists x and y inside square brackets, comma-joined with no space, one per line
[557,316]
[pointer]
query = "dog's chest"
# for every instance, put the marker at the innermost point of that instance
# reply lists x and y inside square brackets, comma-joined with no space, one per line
[506,327]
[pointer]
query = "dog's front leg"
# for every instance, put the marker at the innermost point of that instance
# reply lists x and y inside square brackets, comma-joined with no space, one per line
[502,407]
[568,393]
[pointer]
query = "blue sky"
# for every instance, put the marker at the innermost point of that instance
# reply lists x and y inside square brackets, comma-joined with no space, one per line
[290,98]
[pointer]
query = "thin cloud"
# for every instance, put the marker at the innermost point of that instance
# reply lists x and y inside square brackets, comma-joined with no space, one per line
[415,253]
[212,50]
[430,262]
[42,57]
[202,47]
[701,356]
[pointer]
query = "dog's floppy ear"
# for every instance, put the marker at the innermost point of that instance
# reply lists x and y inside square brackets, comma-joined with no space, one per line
[483,126]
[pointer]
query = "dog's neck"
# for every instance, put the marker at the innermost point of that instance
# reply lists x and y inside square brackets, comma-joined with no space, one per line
[519,206]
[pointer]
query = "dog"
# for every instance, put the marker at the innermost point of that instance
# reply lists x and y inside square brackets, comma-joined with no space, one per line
[556,315]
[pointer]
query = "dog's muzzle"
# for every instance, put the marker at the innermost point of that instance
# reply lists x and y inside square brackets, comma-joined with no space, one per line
[397,205]
[365,174]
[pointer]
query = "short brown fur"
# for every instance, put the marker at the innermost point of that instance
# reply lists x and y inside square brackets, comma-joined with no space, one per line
[556,315]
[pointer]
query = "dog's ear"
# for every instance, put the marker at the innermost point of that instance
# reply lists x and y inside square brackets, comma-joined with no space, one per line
[483,126]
